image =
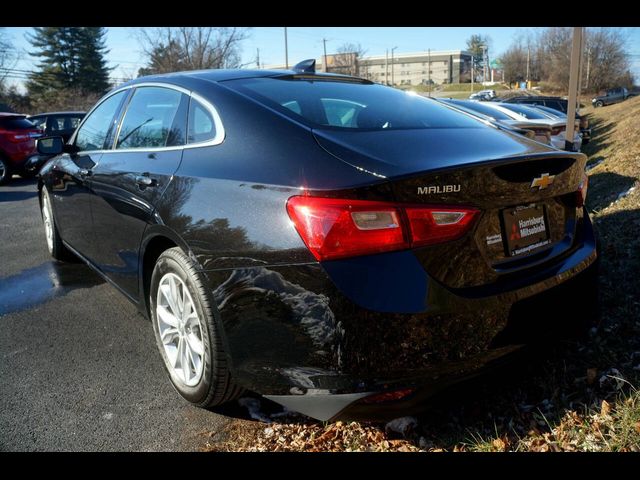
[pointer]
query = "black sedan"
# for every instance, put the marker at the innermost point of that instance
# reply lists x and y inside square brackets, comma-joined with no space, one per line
[339,246]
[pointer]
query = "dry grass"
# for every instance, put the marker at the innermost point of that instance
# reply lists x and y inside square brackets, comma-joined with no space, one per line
[575,397]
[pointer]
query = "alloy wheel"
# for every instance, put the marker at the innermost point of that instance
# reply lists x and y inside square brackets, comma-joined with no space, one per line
[47,218]
[180,330]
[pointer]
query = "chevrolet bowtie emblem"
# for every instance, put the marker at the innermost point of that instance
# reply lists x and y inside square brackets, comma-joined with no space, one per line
[543,181]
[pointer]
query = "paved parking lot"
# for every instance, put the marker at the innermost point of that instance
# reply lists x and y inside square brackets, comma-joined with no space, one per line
[78,365]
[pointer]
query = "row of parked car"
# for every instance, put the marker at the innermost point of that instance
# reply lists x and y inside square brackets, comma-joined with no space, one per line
[18,133]
[542,118]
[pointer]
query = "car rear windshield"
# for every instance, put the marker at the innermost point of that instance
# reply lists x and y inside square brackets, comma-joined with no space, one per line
[480,108]
[348,105]
[16,123]
[526,112]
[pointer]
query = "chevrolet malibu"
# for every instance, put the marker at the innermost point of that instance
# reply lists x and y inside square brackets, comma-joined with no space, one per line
[340,247]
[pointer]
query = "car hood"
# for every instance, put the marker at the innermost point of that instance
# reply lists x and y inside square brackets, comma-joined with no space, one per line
[388,153]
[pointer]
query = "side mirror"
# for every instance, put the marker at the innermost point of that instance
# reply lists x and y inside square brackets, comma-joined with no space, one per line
[50,145]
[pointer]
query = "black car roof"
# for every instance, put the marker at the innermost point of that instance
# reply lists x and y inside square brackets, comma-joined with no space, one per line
[57,113]
[221,75]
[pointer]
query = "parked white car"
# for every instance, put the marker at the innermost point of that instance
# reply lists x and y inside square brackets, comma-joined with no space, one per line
[558,125]
[541,131]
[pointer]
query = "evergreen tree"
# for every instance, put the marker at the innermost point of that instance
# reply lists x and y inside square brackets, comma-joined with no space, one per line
[70,58]
[94,75]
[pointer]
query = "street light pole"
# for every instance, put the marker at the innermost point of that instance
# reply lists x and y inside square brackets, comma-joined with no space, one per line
[286,50]
[393,78]
[574,78]
[386,68]
[429,69]
[324,43]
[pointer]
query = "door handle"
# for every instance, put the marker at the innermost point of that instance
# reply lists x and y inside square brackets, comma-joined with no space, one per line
[85,172]
[146,181]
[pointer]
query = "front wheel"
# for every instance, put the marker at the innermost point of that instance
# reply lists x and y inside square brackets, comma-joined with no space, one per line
[599,103]
[54,242]
[187,332]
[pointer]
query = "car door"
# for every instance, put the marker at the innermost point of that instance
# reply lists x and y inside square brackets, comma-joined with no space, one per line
[131,176]
[71,192]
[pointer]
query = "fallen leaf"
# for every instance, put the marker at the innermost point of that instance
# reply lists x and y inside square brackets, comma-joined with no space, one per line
[637,427]
[605,408]
[499,444]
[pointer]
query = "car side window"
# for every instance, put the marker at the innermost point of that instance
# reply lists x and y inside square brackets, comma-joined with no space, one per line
[94,130]
[202,126]
[341,113]
[151,119]
[39,122]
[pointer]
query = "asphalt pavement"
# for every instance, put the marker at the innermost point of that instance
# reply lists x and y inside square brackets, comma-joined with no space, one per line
[79,369]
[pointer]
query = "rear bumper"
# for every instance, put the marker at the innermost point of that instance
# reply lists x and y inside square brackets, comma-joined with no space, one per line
[296,335]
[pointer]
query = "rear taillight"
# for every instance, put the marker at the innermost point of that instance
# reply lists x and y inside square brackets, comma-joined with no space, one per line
[581,194]
[338,228]
[15,137]
[543,132]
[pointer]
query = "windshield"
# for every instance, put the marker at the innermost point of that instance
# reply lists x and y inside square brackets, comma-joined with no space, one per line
[526,112]
[347,105]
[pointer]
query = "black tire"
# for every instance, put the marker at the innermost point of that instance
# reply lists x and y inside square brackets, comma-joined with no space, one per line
[599,103]
[6,171]
[215,386]
[56,248]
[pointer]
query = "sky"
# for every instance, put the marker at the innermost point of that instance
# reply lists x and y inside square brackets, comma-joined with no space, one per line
[306,42]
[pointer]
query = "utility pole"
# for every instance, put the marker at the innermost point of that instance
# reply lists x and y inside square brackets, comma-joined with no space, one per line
[429,69]
[386,68]
[324,43]
[393,78]
[484,62]
[258,58]
[528,59]
[574,78]
[586,86]
[286,50]
[472,59]
[583,35]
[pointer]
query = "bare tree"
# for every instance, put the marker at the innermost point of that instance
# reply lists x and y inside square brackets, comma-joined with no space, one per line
[348,60]
[514,63]
[555,43]
[171,49]
[607,59]
[547,54]
[8,57]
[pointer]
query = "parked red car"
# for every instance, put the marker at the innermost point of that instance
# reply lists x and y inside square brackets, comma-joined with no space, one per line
[17,143]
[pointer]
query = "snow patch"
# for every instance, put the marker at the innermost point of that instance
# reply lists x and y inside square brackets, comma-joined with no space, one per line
[402,425]
[624,194]
[593,165]
[621,195]
[253,406]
